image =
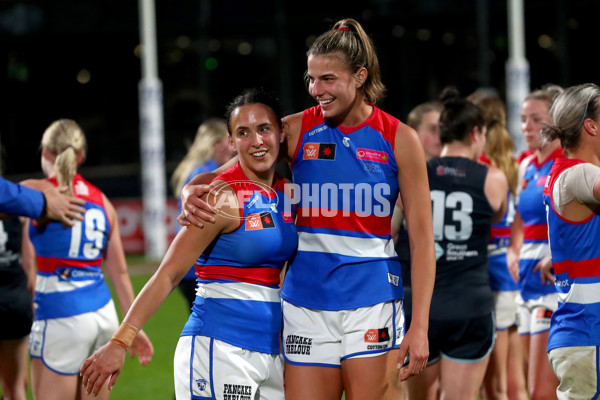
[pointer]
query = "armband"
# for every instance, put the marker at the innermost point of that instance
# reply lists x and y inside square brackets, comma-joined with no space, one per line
[124,335]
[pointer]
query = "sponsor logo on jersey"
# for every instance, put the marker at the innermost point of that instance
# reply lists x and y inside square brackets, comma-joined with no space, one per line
[441,170]
[317,130]
[259,221]
[372,155]
[201,384]
[319,151]
[346,141]
[77,274]
[295,344]
[237,392]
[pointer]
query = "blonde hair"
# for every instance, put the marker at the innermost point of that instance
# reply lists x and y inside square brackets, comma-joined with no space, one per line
[349,38]
[202,149]
[499,145]
[65,139]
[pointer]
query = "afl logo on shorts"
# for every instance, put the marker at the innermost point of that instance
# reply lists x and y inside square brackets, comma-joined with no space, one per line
[259,221]
[377,335]
[319,151]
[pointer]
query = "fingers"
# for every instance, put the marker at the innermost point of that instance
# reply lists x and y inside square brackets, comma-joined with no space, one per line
[182,220]
[112,380]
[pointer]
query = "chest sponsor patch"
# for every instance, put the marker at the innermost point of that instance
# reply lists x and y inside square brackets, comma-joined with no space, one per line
[319,151]
[372,155]
[259,221]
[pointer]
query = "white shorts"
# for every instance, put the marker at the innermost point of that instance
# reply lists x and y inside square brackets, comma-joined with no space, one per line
[535,315]
[505,309]
[577,370]
[64,344]
[207,368]
[325,338]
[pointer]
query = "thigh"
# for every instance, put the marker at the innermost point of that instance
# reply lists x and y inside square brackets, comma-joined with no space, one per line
[461,380]
[312,382]
[13,367]
[577,371]
[50,385]
[371,377]
[542,381]
[209,368]
[425,386]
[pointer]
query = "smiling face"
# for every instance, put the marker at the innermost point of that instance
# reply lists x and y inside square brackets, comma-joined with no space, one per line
[256,135]
[535,114]
[334,86]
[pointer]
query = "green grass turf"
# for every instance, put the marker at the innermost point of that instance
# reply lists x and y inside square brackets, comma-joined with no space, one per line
[155,380]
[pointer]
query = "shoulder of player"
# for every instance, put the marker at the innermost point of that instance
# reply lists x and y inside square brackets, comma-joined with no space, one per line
[223,198]
[37,184]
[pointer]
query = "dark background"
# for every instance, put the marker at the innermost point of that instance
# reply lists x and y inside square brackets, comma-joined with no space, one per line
[423,45]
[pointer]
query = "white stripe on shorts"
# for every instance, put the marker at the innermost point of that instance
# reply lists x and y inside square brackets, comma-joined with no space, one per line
[346,245]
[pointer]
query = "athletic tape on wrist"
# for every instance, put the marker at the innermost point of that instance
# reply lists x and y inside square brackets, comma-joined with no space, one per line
[124,335]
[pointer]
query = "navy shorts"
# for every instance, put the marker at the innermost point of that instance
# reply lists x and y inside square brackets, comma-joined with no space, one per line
[464,340]
[16,305]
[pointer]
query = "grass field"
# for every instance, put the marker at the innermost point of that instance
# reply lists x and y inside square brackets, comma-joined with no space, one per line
[155,380]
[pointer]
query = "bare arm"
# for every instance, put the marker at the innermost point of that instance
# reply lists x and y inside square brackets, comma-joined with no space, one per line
[194,210]
[189,243]
[116,266]
[496,190]
[28,256]
[416,200]
[292,124]
[514,247]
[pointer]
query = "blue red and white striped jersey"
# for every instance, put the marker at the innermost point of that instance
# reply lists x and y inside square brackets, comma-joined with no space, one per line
[238,296]
[500,277]
[69,274]
[576,263]
[535,229]
[347,181]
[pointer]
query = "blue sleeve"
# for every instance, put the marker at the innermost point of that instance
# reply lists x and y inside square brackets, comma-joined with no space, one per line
[20,200]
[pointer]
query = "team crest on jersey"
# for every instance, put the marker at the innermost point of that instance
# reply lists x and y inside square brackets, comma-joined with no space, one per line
[319,151]
[372,155]
[259,221]
[201,384]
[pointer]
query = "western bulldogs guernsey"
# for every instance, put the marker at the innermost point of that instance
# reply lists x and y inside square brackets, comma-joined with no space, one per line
[535,228]
[347,181]
[69,278]
[500,278]
[462,218]
[238,299]
[575,259]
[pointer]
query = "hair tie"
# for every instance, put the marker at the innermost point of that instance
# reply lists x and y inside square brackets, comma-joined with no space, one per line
[343,28]
[69,145]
